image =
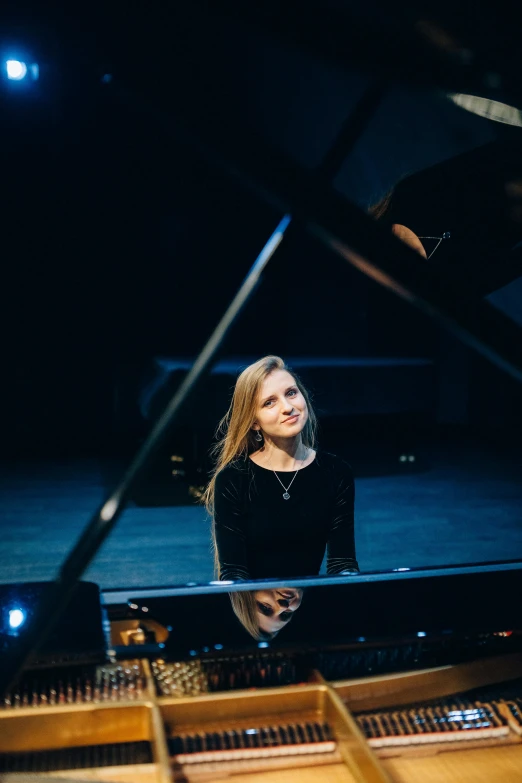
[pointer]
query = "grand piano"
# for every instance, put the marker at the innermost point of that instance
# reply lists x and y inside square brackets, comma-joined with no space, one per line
[404,676]
[408,675]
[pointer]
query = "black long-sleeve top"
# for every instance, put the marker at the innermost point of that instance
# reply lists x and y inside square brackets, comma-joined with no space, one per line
[260,535]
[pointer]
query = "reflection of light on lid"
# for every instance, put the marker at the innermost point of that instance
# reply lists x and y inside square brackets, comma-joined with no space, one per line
[263,644]
[251,731]
[401,569]
[108,510]
[361,639]
[16,618]
[162,645]
[193,652]
[134,606]
[421,633]
[484,107]
[218,647]
[222,582]
[144,608]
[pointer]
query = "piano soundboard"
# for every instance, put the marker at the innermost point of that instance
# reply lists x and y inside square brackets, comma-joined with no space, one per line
[263,717]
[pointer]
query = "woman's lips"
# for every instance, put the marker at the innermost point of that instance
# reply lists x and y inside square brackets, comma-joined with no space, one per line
[291,419]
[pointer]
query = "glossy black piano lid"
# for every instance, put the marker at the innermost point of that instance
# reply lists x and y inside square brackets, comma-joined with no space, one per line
[381,606]
[77,639]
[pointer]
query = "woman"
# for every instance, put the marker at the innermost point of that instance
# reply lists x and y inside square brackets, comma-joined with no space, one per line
[277,503]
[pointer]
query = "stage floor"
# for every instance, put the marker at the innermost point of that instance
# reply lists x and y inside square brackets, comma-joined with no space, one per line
[466,508]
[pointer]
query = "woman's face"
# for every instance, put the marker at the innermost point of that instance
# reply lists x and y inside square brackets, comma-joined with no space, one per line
[275,608]
[281,408]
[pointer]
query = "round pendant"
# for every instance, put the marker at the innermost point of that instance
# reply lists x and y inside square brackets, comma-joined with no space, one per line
[286,495]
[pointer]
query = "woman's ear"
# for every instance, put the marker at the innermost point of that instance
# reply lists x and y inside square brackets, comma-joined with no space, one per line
[407,236]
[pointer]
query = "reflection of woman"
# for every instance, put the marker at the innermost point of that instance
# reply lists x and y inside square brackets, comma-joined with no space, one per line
[263,613]
[276,502]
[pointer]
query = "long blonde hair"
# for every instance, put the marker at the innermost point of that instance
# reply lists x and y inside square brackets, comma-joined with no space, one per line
[245,608]
[235,437]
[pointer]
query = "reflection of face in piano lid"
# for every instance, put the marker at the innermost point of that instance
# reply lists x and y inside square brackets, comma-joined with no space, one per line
[275,608]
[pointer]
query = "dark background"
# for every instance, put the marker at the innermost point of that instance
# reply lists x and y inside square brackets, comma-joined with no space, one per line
[119,243]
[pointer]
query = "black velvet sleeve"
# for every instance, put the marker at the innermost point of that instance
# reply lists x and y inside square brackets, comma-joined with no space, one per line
[229,524]
[341,535]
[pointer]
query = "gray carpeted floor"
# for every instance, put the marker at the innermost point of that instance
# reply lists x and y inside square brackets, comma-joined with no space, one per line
[466,508]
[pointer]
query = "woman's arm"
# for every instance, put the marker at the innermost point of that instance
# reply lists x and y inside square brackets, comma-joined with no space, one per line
[229,528]
[341,538]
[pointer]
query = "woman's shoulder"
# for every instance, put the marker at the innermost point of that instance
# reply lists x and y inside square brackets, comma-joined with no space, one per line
[332,463]
[235,471]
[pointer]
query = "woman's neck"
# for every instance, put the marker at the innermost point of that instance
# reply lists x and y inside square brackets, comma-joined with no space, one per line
[281,454]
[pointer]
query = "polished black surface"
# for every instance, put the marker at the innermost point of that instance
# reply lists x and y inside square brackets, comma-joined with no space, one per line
[404,606]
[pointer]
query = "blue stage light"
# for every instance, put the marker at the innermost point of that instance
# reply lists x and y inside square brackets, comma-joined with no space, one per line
[16,618]
[16,70]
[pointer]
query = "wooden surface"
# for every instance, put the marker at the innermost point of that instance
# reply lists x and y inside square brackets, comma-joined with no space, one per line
[133,773]
[390,690]
[336,773]
[484,765]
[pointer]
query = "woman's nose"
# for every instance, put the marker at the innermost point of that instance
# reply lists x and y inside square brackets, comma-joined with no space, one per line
[287,603]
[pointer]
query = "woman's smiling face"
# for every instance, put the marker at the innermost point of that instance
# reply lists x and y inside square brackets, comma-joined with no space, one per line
[281,410]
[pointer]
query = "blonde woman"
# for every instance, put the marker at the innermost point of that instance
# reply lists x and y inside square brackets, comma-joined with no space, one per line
[276,502]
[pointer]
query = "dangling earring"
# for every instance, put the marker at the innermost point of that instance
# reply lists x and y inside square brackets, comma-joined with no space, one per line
[258,436]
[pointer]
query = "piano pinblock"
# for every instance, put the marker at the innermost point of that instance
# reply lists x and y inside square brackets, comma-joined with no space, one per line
[107,683]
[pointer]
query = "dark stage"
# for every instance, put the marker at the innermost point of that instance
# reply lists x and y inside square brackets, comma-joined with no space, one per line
[135,200]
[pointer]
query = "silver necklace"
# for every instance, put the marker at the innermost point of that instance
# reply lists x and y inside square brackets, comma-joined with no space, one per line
[286,494]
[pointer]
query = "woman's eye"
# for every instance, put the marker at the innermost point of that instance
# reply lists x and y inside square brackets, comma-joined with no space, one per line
[267,403]
[293,392]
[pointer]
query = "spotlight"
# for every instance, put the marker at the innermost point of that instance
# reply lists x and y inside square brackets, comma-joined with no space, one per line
[16,70]
[16,618]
